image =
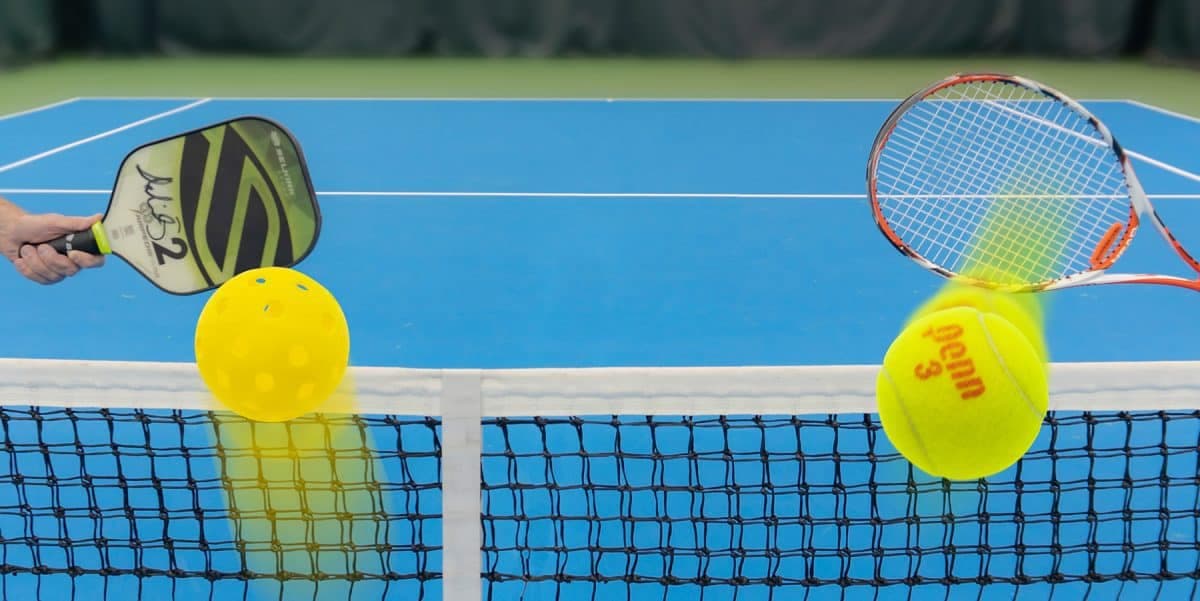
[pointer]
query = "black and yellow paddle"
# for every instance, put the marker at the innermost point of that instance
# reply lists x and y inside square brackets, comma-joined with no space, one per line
[191,211]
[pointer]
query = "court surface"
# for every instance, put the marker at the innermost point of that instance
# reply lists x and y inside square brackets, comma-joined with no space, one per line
[533,234]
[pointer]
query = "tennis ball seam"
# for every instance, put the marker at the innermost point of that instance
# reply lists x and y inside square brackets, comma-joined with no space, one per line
[987,334]
[912,425]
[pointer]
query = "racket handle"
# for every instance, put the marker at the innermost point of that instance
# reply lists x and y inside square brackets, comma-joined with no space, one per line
[84,241]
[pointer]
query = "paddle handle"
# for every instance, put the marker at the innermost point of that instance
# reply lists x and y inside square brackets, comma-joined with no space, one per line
[84,241]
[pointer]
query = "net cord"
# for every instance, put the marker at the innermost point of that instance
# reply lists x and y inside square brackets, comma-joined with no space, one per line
[758,390]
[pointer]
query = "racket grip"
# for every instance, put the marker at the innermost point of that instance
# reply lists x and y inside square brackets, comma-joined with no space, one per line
[84,241]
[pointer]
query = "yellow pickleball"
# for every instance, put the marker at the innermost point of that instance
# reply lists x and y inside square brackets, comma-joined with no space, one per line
[272,344]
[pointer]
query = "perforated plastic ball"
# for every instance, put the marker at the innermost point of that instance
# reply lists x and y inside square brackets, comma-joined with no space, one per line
[272,344]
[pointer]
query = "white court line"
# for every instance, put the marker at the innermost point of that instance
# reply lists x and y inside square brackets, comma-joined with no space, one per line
[1164,166]
[1167,112]
[52,191]
[402,99]
[597,195]
[417,194]
[527,99]
[409,194]
[53,151]
[783,196]
[38,109]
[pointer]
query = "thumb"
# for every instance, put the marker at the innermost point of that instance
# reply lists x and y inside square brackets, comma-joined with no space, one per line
[76,224]
[49,225]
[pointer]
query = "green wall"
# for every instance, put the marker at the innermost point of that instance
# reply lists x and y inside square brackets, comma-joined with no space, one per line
[644,28]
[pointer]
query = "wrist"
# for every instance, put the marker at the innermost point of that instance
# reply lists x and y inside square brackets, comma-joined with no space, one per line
[9,211]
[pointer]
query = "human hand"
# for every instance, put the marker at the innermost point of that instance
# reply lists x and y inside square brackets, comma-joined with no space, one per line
[21,241]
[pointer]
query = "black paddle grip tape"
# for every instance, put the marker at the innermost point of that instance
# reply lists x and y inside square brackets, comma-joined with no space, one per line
[84,241]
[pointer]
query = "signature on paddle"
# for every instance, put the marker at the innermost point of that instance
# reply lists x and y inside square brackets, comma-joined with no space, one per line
[152,212]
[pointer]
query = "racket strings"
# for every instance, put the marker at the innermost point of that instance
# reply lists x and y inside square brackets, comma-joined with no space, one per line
[1008,251]
[1001,183]
[971,152]
[951,181]
[991,163]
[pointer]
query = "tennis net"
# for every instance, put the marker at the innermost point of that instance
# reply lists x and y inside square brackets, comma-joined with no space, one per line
[118,481]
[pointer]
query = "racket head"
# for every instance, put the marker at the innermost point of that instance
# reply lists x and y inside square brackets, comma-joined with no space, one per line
[191,211]
[1000,181]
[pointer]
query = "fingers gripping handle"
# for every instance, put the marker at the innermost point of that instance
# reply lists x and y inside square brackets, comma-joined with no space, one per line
[83,241]
[92,241]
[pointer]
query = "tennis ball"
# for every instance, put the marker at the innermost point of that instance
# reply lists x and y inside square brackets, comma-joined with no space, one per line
[272,344]
[962,393]
[1022,310]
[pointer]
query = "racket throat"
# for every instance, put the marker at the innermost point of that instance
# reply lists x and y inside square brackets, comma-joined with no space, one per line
[1110,246]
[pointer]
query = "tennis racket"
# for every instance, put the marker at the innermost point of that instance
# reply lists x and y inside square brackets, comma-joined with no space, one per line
[191,211]
[1000,181]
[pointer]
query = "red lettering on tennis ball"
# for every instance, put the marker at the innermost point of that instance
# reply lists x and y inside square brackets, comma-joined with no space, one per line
[928,370]
[958,362]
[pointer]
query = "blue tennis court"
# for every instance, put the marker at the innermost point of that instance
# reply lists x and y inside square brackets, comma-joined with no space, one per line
[561,237]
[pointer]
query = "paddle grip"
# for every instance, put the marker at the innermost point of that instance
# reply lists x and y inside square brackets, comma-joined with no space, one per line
[84,241]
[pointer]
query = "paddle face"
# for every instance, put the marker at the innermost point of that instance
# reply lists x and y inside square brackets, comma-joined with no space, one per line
[192,211]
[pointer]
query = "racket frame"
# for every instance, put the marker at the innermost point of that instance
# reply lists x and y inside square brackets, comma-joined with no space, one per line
[1103,257]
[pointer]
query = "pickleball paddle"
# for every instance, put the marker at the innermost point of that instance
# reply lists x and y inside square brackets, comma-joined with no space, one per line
[191,211]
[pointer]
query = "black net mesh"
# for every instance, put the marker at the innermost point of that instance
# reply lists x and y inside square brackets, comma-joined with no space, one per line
[148,504]
[133,504]
[784,507]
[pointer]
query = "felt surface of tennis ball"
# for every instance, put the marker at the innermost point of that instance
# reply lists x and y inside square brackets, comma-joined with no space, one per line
[962,393]
[1023,310]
